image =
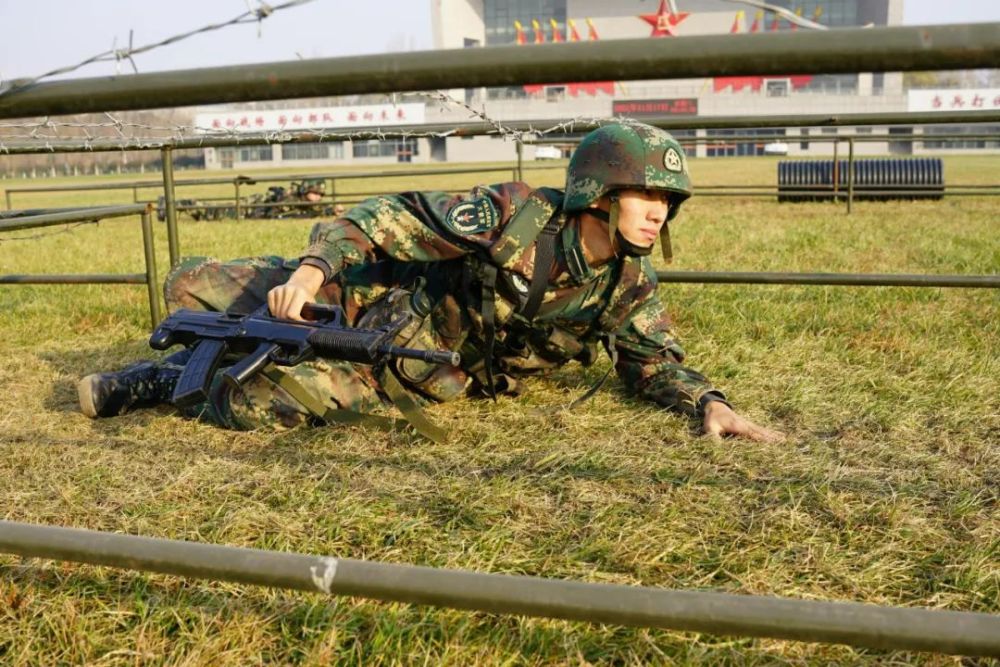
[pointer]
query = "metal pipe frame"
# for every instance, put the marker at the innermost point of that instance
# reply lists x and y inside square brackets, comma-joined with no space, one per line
[64,216]
[836,279]
[801,139]
[883,49]
[543,127]
[872,626]
[347,175]
[170,204]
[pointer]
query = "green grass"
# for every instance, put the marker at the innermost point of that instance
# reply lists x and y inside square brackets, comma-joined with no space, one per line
[886,492]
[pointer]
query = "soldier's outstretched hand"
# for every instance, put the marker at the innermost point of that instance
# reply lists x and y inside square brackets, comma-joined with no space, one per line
[286,301]
[720,420]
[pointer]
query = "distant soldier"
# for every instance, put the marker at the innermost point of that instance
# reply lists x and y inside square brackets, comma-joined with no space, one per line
[518,280]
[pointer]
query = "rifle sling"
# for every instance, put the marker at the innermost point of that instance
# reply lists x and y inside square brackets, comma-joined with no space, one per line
[397,394]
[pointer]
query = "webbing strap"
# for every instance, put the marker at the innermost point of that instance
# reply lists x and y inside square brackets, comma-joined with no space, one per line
[408,406]
[397,394]
[488,312]
[545,257]
[613,351]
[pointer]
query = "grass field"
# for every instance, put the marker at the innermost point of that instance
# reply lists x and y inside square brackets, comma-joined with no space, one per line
[887,491]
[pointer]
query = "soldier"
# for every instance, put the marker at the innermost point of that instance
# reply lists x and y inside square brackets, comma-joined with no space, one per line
[518,280]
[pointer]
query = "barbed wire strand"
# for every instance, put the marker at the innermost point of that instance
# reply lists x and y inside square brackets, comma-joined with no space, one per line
[34,237]
[252,15]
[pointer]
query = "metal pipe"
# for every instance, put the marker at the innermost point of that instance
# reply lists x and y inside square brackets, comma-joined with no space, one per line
[898,48]
[836,167]
[239,208]
[152,282]
[520,160]
[842,279]
[71,215]
[75,279]
[850,175]
[717,613]
[565,126]
[170,204]
[7,197]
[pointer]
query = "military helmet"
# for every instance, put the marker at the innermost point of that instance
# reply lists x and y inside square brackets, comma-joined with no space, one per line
[627,155]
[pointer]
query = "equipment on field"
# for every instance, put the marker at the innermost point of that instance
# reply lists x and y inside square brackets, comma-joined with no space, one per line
[881,179]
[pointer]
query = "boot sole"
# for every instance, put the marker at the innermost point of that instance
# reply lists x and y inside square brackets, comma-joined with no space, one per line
[86,390]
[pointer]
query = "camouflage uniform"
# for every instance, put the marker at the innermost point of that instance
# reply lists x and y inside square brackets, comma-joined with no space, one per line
[430,245]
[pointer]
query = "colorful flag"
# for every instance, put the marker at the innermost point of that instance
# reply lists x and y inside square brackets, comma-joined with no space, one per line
[519,30]
[757,19]
[737,22]
[556,36]
[539,35]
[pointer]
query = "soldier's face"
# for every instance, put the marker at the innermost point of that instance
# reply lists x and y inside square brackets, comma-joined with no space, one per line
[641,215]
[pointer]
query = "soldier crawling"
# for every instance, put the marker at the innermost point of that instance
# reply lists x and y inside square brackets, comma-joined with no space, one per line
[517,280]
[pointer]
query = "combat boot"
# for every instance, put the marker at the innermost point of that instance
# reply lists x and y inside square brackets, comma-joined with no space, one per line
[143,384]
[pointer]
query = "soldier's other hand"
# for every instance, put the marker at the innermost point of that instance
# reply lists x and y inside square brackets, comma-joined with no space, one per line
[720,420]
[286,301]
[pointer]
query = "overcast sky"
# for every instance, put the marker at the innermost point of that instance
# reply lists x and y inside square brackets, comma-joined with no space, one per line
[40,35]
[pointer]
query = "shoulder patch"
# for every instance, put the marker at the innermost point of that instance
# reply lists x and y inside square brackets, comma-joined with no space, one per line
[473,216]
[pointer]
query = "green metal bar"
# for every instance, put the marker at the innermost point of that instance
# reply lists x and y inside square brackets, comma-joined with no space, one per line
[152,282]
[75,279]
[71,215]
[170,204]
[850,175]
[899,48]
[239,208]
[842,279]
[867,625]
[836,167]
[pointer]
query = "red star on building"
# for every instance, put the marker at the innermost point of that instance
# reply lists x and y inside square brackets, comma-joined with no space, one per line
[664,21]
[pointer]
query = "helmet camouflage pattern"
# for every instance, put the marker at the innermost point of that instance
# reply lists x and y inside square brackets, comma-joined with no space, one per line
[626,155]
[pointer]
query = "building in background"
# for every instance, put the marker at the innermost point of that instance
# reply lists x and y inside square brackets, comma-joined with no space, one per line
[462,24]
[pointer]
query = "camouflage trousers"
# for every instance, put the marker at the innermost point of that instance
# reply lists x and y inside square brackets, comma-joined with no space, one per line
[202,283]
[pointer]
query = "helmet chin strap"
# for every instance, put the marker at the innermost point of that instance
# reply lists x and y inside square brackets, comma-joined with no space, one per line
[622,246]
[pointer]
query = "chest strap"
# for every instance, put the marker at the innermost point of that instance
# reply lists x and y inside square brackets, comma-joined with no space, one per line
[545,257]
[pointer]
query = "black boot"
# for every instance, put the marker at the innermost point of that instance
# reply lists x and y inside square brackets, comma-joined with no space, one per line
[140,385]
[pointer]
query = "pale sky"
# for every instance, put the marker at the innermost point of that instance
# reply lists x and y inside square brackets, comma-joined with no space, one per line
[39,35]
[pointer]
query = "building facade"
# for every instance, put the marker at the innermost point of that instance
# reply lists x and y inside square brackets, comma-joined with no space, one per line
[463,24]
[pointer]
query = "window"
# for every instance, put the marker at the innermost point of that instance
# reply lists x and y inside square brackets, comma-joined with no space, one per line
[499,17]
[724,147]
[403,149]
[961,143]
[777,87]
[311,151]
[256,154]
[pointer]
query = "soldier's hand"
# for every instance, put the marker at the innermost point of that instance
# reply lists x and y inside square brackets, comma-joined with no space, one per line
[720,420]
[286,301]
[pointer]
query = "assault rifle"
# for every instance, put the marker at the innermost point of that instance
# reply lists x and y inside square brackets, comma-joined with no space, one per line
[264,339]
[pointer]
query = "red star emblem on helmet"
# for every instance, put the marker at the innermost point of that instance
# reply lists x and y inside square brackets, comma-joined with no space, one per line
[664,21]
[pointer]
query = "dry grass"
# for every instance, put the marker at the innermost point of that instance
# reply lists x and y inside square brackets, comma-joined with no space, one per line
[887,491]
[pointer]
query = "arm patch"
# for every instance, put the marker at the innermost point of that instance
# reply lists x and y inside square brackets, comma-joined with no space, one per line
[473,216]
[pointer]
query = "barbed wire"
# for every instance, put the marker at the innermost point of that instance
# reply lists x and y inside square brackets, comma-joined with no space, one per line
[118,55]
[132,135]
[34,237]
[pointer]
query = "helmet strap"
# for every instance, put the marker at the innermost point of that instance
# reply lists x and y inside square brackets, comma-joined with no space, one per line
[668,252]
[613,214]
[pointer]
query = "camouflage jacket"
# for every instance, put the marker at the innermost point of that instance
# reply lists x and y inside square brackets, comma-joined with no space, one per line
[394,240]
